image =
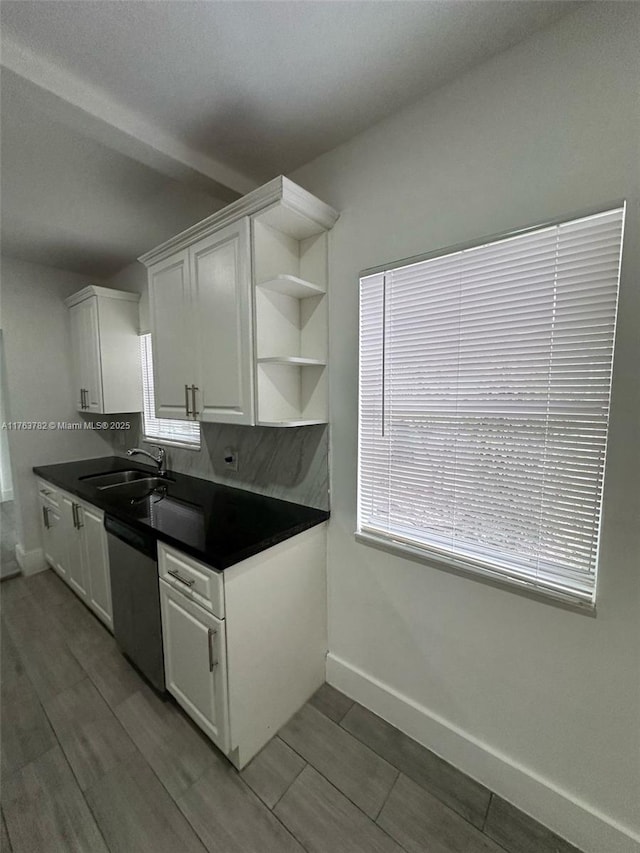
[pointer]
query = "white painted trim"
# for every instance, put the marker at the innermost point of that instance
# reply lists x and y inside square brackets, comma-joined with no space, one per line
[30,562]
[102,292]
[567,815]
[6,495]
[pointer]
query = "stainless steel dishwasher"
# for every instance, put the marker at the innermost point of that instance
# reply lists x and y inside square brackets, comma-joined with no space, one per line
[135,593]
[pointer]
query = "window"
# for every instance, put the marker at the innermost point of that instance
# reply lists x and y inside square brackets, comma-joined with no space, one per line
[163,430]
[485,377]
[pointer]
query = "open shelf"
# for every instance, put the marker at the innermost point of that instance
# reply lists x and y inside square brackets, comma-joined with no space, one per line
[292,359]
[290,423]
[291,394]
[291,285]
[291,320]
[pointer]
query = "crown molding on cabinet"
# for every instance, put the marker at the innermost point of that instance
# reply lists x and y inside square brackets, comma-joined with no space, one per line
[105,292]
[280,191]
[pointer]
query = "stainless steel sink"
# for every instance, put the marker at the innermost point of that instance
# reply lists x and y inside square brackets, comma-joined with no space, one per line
[118,478]
[137,488]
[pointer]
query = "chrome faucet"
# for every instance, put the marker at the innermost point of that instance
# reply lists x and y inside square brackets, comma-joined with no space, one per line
[160,459]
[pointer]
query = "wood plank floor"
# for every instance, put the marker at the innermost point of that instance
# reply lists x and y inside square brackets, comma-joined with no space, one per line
[93,761]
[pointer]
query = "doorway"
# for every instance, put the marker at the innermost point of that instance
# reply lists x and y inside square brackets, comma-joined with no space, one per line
[8,564]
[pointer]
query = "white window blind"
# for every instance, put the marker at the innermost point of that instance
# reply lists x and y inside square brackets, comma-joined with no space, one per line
[164,430]
[485,377]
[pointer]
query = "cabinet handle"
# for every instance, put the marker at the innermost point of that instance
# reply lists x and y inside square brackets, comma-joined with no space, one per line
[186,400]
[79,523]
[45,492]
[45,516]
[212,638]
[194,388]
[74,516]
[179,577]
[82,398]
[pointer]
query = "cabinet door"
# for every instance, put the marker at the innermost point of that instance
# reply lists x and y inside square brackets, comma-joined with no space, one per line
[95,557]
[75,564]
[174,365]
[221,289]
[93,370]
[85,353]
[195,662]
[53,537]
[78,354]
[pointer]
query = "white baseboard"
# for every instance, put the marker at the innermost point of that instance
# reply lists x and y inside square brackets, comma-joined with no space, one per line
[30,562]
[572,819]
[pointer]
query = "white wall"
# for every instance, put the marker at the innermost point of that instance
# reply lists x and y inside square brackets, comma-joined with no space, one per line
[37,350]
[133,278]
[540,703]
[6,480]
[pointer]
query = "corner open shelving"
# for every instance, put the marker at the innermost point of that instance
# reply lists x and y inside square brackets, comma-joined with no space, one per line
[292,359]
[291,285]
[291,317]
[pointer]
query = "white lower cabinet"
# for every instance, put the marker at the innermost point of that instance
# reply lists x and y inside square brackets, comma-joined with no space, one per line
[195,661]
[95,557]
[53,534]
[244,649]
[75,546]
[75,575]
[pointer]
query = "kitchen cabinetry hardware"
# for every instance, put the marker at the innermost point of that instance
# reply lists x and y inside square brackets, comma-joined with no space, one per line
[212,638]
[45,516]
[194,411]
[186,581]
[186,401]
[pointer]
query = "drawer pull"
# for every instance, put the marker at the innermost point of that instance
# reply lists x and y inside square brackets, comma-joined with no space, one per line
[45,492]
[212,639]
[179,577]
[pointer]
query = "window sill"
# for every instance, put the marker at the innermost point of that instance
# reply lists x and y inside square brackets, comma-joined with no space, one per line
[146,439]
[445,563]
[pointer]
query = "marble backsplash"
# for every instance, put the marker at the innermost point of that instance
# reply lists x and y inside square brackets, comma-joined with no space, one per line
[287,463]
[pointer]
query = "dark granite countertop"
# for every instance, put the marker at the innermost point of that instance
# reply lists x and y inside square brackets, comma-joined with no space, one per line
[216,524]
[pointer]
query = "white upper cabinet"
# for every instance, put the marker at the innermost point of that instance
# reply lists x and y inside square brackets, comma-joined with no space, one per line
[201,329]
[221,286]
[239,312]
[174,359]
[86,355]
[105,350]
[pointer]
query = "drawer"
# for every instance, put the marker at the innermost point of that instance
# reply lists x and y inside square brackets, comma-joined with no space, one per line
[48,493]
[192,578]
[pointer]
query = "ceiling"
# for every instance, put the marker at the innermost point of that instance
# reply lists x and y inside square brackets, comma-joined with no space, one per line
[123,122]
[71,202]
